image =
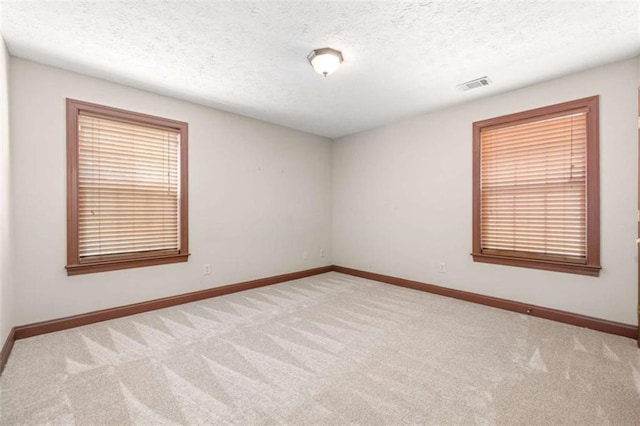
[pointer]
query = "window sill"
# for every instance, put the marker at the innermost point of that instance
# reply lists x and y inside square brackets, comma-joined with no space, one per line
[570,268]
[113,265]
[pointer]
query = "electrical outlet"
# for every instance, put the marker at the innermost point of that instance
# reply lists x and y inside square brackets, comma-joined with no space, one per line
[305,254]
[206,270]
[322,254]
[442,267]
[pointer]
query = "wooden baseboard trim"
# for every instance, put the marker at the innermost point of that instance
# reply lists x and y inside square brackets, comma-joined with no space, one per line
[598,324]
[43,327]
[6,348]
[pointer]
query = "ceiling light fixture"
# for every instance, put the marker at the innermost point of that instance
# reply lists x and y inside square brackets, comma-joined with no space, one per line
[325,61]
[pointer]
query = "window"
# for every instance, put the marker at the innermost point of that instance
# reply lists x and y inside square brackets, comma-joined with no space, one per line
[536,189]
[126,189]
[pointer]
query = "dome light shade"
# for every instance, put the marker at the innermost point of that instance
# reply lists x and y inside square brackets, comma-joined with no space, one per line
[325,61]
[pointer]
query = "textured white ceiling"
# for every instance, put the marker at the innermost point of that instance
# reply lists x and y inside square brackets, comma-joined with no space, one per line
[401,58]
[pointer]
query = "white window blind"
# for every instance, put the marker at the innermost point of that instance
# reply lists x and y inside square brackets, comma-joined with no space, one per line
[533,188]
[128,187]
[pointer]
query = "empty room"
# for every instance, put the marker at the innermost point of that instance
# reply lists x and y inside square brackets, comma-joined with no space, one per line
[309,212]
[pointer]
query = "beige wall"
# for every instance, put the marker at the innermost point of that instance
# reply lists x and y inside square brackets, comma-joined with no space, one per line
[6,305]
[259,195]
[402,199]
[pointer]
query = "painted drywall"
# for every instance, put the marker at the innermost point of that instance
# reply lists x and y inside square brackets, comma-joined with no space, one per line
[6,297]
[402,199]
[259,196]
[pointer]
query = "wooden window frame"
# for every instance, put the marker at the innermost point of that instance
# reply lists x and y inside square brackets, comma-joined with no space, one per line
[75,265]
[591,266]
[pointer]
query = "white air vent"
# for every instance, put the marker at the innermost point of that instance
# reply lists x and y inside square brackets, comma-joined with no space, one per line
[472,84]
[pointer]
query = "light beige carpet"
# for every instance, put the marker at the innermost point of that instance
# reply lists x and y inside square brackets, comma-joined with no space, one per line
[330,349]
